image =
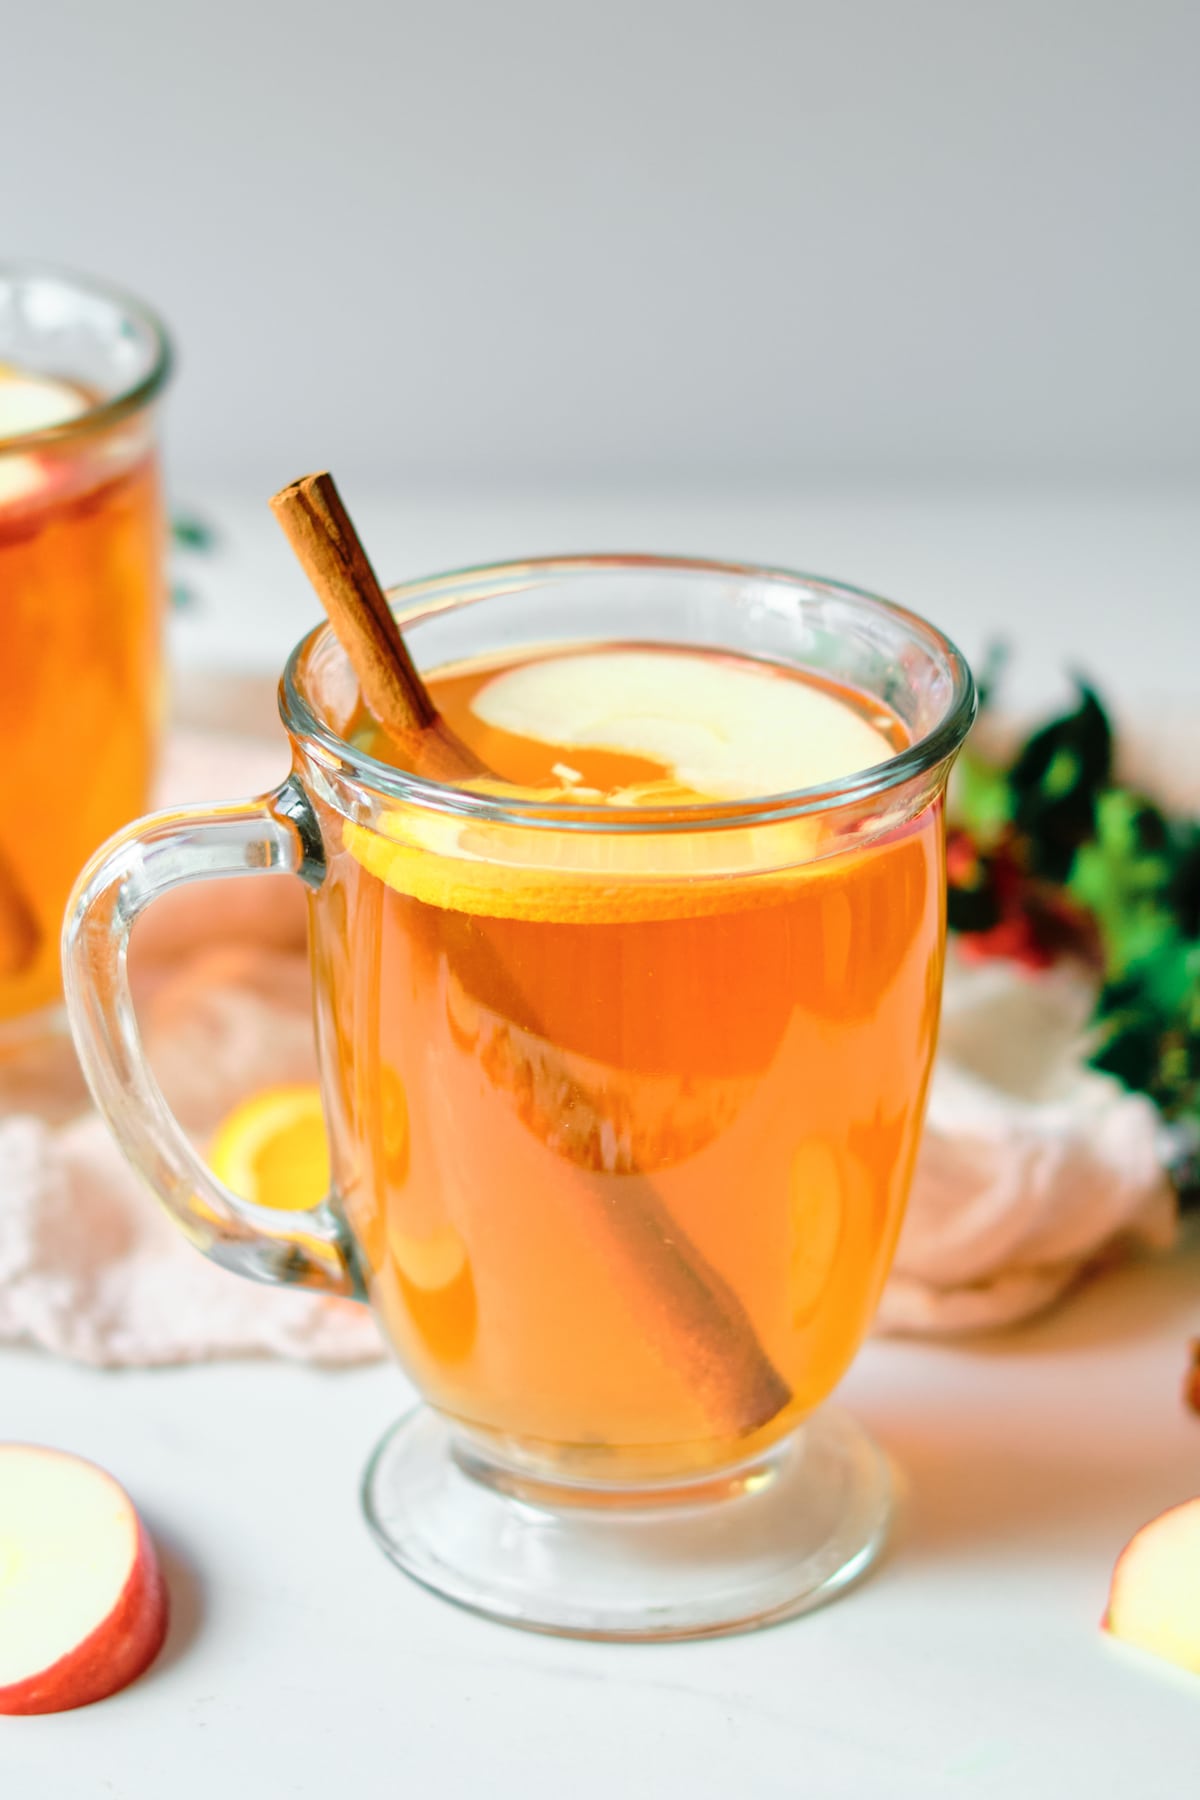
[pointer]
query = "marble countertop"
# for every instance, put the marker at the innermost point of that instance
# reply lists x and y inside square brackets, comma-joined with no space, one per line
[970,1662]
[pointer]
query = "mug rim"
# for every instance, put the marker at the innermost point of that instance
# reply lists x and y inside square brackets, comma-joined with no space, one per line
[126,400]
[428,596]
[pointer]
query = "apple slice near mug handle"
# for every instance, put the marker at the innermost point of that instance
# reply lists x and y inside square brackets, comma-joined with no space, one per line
[83,1605]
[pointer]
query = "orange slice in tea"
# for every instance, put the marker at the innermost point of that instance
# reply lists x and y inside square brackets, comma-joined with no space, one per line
[272,1149]
[572,876]
[500,870]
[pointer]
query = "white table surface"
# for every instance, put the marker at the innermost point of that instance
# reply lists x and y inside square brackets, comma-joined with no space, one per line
[970,1663]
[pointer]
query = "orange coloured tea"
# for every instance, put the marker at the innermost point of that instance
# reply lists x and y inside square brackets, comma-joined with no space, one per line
[80,605]
[624,1122]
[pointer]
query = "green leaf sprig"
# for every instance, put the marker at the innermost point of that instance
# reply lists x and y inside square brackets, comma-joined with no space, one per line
[1049,856]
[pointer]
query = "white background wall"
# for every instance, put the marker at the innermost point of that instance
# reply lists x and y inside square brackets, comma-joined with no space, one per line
[536,240]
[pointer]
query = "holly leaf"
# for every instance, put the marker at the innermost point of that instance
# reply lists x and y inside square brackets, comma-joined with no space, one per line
[1049,857]
[1055,782]
[1149,1025]
[980,799]
[1124,876]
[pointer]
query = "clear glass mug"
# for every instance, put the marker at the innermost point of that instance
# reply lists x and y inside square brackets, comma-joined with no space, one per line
[81,602]
[622,1105]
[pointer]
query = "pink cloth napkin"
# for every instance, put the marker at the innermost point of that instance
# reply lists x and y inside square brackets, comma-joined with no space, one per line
[1032,1170]
[90,1266]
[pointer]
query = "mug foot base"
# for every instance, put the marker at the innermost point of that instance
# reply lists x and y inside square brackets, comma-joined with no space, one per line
[777,1538]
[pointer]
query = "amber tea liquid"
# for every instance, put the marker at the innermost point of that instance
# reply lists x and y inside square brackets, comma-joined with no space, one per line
[624,1128]
[80,607]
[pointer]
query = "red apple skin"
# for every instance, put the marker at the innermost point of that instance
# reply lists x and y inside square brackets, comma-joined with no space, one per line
[110,1657]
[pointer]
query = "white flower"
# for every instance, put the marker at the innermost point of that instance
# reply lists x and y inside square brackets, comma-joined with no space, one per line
[1033,1165]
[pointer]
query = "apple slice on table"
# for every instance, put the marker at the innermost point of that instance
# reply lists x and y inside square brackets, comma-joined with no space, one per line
[83,1605]
[1154,1601]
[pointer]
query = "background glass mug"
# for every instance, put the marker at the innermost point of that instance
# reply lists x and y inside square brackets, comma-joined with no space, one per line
[81,593]
[622,1104]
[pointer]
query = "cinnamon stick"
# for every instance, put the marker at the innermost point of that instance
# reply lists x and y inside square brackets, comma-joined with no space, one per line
[20,933]
[330,552]
[686,1305]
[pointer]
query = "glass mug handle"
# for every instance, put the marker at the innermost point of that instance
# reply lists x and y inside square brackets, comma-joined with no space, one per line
[276,832]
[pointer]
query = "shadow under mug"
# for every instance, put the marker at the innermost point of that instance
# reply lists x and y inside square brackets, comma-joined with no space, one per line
[622,1104]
